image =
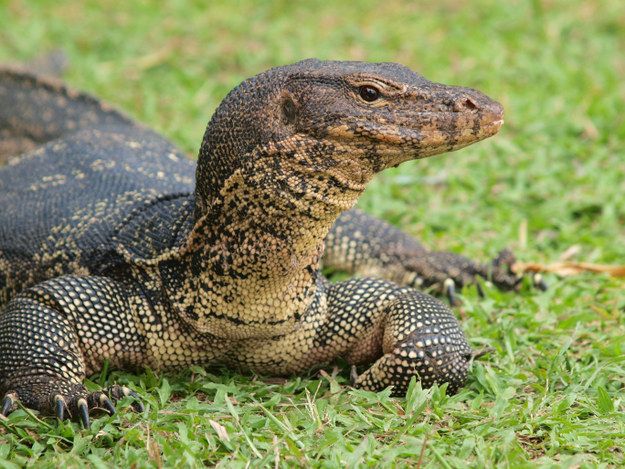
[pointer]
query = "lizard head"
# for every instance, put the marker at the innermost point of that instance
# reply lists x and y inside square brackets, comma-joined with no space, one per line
[384,110]
[347,120]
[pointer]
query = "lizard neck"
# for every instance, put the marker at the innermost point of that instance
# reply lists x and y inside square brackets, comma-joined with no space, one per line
[252,257]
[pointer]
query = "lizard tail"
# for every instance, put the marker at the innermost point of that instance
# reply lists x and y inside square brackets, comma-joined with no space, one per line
[36,109]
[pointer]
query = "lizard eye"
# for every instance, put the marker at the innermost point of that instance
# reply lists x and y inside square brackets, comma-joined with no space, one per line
[369,93]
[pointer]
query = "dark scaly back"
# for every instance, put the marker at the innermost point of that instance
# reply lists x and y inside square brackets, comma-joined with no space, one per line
[96,176]
[38,109]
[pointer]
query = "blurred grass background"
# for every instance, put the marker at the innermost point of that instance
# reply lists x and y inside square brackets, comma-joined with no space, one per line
[554,178]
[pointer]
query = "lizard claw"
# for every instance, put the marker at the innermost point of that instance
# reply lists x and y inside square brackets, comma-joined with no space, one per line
[539,282]
[353,376]
[107,404]
[83,412]
[137,405]
[119,392]
[416,282]
[449,287]
[480,289]
[60,407]
[99,400]
[70,401]
[8,404]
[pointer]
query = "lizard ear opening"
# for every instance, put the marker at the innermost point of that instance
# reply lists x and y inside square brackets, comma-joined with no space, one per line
[289,110]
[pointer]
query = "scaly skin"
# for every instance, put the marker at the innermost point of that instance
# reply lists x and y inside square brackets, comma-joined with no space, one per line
[106,252]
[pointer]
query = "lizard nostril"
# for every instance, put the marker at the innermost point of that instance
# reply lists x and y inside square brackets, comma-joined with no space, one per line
[469,104]
[464,104]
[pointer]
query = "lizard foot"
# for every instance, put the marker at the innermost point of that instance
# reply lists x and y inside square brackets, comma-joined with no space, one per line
[67,400]
[448,273]
[503,276]
[397,368]
[428,356]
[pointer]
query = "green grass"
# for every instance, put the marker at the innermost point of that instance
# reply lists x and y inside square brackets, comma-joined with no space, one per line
[551,393]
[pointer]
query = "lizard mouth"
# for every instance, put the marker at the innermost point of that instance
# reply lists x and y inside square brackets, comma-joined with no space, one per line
[493,127]
[442,133]
[414,134]
[448,131]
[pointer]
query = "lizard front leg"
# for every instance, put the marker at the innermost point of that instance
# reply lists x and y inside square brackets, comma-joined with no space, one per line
[365,246]
[403,332]
[55,333]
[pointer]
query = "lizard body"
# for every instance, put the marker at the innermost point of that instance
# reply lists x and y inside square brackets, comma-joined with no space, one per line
[109,251]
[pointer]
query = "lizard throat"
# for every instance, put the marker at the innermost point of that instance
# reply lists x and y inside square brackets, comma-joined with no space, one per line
[253,259]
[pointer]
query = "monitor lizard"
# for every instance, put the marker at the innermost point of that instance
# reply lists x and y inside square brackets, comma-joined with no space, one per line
[116,247]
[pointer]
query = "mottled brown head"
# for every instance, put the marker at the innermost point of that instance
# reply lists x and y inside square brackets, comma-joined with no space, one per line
[388,107]
[380,114]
